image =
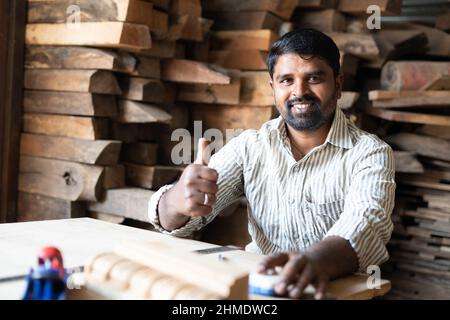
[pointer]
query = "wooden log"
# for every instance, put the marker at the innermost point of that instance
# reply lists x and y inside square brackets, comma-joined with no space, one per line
[406,161]
[409,117]
[142,89]
[281,8]
[150,177]
[225,117]
[328,20]
[360,45]
[65,126]
[48,11]
[239,59]
[33,207]
[317,4]
[99,152]
[94,81]
[387,7]
[147,67]
[136,112]
[140,153]
[125,202]
[211,93]
[243,40]
[186,7]
[411,75]
[99,34]
[70,103]
[253,20]
[440,82]
[255,89]
[60,179]
[50,57]
[114,177]
[181,70]
[406,99]
[422,145]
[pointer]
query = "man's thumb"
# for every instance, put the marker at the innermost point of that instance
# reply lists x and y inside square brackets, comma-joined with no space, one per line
[202,152]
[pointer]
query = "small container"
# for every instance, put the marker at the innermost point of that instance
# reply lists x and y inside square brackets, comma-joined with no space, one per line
[262,284]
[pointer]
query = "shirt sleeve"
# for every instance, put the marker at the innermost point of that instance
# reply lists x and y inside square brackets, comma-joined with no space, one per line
[366,220]
[229,163]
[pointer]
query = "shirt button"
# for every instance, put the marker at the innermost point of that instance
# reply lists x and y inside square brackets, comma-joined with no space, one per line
[291,200]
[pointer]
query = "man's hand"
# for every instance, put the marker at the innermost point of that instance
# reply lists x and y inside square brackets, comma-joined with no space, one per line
[193,195]
[327,259]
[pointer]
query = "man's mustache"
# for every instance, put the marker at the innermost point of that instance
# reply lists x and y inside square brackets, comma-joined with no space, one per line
[305,99]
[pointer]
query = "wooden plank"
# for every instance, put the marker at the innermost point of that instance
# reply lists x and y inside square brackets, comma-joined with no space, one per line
[99,34]
[161,4]
[411,75]
[440,82]
[60,179]
[422,145]
[328,20]
[160,24]
[239,59]
[162,49]
[50,57]
[65,126]
[136,112]
[443,21]
[424,184]
[181,70]
[140,153]
[186,7]
[317,4]
[125,202]
[211,93]
[244,20]
[435,131]
[189,28]
[406,99]
[281,8]
[390,94]
[360,45]
[387,7]
[255,89]
[99,152]
[70,103]
[94,81]
[243,40]
[114,177]
[142,89]
[134,11]
[409,117]
[147,67]
[32,207]
[150,177]
[406,162]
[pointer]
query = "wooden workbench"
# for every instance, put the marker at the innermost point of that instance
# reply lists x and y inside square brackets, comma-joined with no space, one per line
[81,239]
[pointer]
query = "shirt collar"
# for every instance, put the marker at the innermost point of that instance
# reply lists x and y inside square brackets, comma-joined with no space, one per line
[338,135]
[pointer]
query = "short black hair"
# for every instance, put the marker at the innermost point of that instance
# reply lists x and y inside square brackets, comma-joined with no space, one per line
[305,41]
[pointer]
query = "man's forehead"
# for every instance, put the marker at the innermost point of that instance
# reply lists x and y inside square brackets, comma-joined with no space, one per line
[292,62]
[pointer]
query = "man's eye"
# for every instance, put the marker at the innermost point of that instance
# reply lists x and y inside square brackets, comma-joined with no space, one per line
[285,81]
[314,79]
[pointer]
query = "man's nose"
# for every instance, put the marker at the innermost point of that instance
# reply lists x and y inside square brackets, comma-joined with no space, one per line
[299,89]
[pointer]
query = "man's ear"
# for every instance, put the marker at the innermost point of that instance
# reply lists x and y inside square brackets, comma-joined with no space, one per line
[271,83]
[339,82]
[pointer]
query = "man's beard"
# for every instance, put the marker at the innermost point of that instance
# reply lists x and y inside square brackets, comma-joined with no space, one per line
[308,121]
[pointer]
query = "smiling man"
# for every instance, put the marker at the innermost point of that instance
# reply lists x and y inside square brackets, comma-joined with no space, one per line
[320,191]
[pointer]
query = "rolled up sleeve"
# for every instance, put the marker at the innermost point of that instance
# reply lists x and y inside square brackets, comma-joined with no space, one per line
[366,220]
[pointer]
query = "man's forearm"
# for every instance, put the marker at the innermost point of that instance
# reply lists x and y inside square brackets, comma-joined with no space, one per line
[336,255]
[169,219]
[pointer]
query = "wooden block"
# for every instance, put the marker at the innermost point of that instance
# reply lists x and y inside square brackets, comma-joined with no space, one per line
[435,131]
[406,161]
[211,93]
[255,89]
[188,7]
[239,59]
[70,103]
[411,75]
[406,99]
[142,89]
[181,70]
[387,7]
[422,145]
[150,177]
[136,112]
[163,49]
[147,67]
[225,117]
[438,40]
[99,34]
[125,202]
[49,57]
[114,177]
[161,4]
[409,117]
[60,179]
[134,11]
[281,8]
[347,99]
[440,82]
[65,126]
[99,152]
[140,153]
[243,40]
[360,45]
[443,21]
[317,4]
[94,81]
[328,20]
[252,20]
[187,27]
[33,207]
[160,24]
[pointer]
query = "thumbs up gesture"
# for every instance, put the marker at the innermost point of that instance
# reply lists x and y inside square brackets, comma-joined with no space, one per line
[196,190]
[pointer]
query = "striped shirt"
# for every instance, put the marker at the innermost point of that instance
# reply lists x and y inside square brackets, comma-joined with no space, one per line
[344,187]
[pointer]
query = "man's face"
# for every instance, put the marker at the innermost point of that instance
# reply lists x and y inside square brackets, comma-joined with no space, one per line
[305,91]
